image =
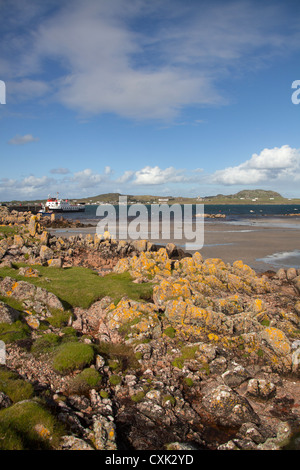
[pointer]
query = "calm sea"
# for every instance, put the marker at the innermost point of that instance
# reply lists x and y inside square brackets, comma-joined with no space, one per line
[234,213]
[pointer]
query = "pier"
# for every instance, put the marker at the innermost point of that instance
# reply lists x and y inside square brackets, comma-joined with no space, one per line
[33,208]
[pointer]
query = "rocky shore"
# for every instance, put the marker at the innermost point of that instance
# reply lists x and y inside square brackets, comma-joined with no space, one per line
[209,360]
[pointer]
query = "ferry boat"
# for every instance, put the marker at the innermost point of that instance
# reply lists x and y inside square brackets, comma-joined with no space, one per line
[54,204]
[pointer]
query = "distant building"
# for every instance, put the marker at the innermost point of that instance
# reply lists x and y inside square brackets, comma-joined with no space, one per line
[163,200]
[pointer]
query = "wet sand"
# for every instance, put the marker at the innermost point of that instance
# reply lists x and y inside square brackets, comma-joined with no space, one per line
[262,247]
[263,244]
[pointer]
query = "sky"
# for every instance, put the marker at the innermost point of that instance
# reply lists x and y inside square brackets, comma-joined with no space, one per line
[160,97]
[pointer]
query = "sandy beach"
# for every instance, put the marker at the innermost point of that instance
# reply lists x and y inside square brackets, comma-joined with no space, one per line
[263,244]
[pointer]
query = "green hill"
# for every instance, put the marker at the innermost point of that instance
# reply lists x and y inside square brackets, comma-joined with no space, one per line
[248,196]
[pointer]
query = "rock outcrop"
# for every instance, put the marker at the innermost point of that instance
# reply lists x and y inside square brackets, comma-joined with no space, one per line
[210,361]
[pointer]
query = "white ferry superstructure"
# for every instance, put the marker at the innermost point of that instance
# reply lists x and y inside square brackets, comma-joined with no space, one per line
[54,204]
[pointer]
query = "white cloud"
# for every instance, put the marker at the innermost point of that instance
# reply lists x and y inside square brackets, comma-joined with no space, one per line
[126,177]
[108,62]
[35,182]
[22,139]
[87,182]
[26,188]
[155,175]
[108,170]
[274,168]
[275,164]
[87,179]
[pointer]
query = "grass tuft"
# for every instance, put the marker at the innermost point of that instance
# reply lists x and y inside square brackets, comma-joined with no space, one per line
[45,343]
[86,380]
[14,386]
[72,356]
[29,426]
[10,333]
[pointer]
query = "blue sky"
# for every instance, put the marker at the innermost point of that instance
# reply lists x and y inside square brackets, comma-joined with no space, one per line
[164,97]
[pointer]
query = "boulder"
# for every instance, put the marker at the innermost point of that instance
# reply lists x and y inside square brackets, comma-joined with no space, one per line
[3,250]
[32,321]
[18,240]
[261,388]
[33,226]
[235,375]
[172,250]
[27,271]
[104,431]
[296,282]
[296,361]
[8,314]
[192,319]
[46,253]
[55,262]
[228,408]
[276,340]
[19,290]
[44,238]
[6,264]
[291,273]
[24,291]
[167,290]
[277,349]
[140,245]
[74,443]
[284,434]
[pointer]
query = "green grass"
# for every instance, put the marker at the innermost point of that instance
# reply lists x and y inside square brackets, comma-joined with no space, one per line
[169,398]
[59,319]
[45,343]
[119,356]
[12,303]
[170,331]
[14,332]
[14,387]
[69,334]
[7,231]
[189,382]
[115,379]
[138,397]
[188,352]
[86,380]
[178,362]
[80,287]
[72,356]
[28,425]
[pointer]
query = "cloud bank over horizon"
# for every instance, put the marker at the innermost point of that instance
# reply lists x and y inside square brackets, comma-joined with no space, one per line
[268,169]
